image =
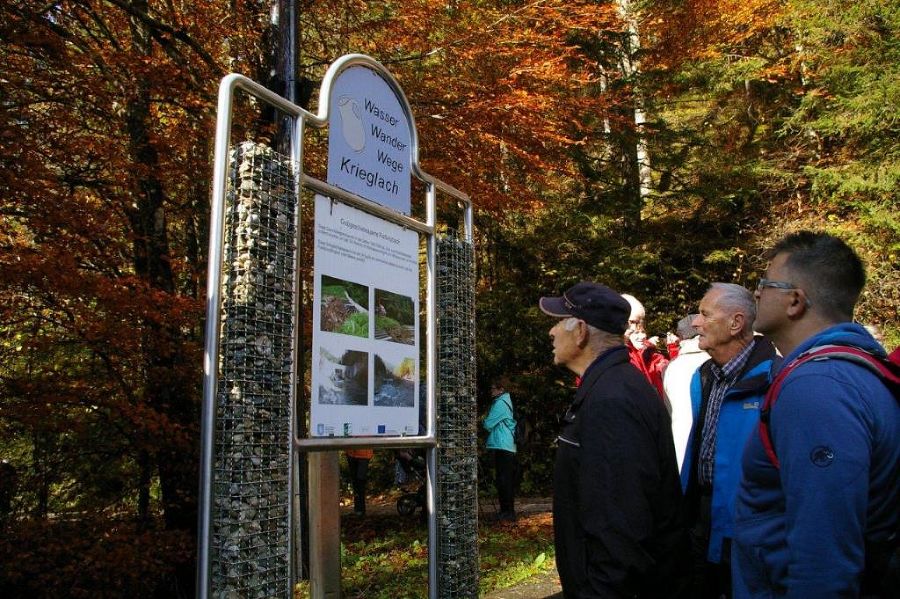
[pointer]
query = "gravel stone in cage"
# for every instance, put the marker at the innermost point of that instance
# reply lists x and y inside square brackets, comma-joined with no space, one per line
[250,524]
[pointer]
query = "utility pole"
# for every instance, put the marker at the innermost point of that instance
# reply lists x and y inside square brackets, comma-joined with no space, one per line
[284,60]
[284,27]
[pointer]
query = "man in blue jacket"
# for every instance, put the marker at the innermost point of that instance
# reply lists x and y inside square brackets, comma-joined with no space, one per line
[726,394]
[823,522]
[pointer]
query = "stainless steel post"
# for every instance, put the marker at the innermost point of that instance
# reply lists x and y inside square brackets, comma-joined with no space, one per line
[211,354]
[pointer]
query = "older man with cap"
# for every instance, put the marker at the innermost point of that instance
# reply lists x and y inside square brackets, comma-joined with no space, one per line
[616,494]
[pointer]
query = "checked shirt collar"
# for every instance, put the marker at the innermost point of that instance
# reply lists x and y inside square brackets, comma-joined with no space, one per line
[723,378]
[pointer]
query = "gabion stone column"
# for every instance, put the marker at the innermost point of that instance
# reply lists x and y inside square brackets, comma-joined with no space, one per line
[457,493]
[250,526]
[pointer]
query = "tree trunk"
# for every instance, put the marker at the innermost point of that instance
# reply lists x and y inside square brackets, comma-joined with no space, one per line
[41,453]
[164,389]
[145,475]
[635,158]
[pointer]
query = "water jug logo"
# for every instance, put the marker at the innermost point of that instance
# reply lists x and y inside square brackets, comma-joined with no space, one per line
[351,123]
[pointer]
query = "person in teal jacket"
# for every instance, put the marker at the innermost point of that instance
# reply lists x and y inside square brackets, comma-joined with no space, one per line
[726,394]
[500,425]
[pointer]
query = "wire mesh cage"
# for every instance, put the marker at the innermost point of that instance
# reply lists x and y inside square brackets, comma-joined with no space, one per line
[250,530]
[457,483]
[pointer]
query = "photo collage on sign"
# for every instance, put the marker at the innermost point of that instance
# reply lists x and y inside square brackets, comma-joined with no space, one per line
[387,323]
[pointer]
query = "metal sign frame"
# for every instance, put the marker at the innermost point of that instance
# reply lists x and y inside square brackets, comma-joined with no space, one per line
[228,88]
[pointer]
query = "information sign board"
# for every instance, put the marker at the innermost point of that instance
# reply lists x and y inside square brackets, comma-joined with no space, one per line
[366,326]
[365,362]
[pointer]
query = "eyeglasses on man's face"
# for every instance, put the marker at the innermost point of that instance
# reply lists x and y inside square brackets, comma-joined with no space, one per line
[763,283]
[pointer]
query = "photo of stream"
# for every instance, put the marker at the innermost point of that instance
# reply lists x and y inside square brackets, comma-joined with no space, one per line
[344,380]
[394,381]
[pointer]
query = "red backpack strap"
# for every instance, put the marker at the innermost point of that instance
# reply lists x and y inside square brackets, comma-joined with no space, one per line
[894,358]
[886,369]
[765,412]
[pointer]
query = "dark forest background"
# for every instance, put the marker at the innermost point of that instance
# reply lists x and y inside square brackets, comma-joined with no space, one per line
[652,145]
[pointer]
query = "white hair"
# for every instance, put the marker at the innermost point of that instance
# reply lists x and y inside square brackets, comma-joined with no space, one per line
[736,298]
[597,338]
[570,323]
[637,308]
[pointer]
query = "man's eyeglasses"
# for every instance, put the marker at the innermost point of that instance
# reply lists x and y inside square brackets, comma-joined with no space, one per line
[763,283]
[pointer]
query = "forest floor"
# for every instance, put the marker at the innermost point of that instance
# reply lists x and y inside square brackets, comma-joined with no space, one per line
[385,505]
[533,513]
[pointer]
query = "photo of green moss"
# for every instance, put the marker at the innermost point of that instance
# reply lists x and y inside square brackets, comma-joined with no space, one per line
[344,307]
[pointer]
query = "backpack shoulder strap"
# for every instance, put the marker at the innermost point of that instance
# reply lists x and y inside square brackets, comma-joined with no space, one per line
[894,359]
[886,369]
[512,410]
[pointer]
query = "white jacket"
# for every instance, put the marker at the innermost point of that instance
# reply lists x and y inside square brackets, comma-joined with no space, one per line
[677,385]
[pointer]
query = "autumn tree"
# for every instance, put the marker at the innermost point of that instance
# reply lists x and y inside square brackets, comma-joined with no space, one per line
[107,121]
[776,116]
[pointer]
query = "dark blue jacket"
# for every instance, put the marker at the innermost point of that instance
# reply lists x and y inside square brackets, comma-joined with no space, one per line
[803,530]
[738,418]
[617,514]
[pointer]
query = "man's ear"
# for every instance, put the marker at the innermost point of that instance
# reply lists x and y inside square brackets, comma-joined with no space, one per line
[737,323]
[799,303]
[583,334]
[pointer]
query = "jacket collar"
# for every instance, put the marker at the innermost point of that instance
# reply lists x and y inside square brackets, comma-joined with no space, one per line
[603,362]
[755,374]
[690,346]
[845,333]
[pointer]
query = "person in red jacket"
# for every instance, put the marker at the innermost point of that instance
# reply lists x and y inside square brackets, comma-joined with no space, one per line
[642,352]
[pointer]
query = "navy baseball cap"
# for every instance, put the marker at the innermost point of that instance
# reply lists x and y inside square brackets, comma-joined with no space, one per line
[596,304]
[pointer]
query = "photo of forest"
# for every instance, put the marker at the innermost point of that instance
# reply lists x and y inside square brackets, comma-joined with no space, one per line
[394,317]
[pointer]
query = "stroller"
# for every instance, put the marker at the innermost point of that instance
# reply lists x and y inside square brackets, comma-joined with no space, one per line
[411,478]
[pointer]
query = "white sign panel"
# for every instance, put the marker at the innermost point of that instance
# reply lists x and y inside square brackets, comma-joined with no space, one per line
[365,374]
[369,150]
